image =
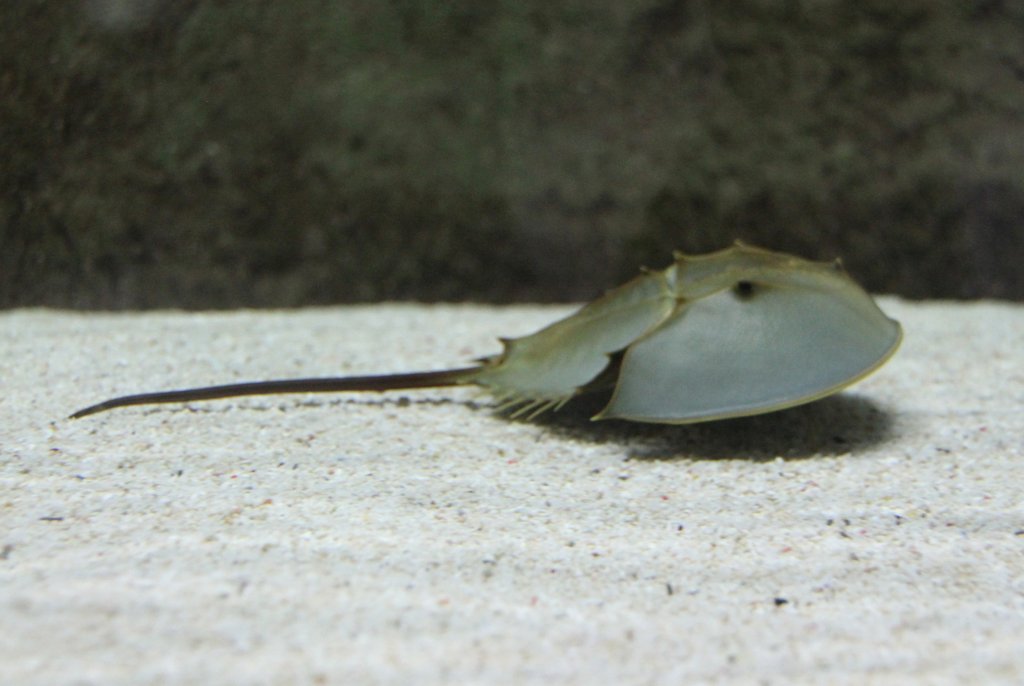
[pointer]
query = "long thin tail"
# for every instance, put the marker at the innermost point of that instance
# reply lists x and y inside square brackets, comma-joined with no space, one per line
[385,382]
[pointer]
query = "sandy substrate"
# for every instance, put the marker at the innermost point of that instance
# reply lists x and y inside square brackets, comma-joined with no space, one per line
[417,538]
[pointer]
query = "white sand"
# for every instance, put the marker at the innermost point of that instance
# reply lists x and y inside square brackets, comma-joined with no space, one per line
[415,538]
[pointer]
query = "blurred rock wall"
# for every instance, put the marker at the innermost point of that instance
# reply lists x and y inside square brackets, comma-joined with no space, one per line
[201,153]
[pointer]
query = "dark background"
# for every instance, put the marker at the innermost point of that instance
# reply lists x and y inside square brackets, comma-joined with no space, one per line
[224,153]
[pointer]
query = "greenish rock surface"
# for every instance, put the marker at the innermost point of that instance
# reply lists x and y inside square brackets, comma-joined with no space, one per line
[206,154]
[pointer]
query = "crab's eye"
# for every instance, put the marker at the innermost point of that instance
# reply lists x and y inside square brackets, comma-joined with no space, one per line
[743,289]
